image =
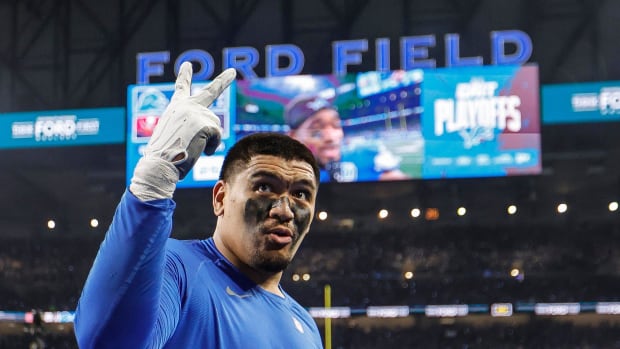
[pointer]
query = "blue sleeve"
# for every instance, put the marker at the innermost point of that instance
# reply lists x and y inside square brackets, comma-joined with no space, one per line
[125,302]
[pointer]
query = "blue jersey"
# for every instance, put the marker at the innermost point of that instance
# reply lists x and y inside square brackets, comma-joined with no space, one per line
[146,290]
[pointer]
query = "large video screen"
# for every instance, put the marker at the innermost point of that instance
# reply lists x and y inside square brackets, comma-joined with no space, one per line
[375,126]
[146,104]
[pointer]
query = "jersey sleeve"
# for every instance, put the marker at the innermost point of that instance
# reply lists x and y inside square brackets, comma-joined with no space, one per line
[125,294]
[172,294]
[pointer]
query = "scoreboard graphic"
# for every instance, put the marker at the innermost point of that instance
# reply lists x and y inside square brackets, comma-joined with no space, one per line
[146,104]
[481,121]
[436,123]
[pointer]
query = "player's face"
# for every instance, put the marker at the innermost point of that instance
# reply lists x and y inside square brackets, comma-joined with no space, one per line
[322,134]
[267,211]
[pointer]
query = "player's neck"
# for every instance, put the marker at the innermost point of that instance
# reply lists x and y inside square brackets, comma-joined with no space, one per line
[272,285]
[268,281]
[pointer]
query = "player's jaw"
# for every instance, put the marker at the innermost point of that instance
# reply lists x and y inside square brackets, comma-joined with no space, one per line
[274,247]
[275,235]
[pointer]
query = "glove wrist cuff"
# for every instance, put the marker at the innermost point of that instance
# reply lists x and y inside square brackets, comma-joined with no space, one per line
[154,178]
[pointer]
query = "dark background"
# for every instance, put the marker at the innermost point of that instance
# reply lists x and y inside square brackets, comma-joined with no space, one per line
[67,54]
[82,54]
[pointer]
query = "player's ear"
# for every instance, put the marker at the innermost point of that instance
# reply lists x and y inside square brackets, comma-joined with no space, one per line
[219,192]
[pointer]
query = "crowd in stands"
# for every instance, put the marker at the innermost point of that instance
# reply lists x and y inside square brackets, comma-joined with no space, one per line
[448,265]
[464,265]
[539,334]
[44,272]
[51,340]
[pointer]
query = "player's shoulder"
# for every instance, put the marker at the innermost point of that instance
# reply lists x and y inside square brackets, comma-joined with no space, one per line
[294,304]
[180,244]
[301,312]
[186,249]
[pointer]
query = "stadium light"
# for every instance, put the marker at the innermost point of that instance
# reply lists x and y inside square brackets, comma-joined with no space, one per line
[431,214]
[322,215]
[51,224]
[295,277]
[461,211]
[408,275]
[511,209]
[94,223]
[562,208]
[613,206]
[383,213]
[415,212]
[306,277]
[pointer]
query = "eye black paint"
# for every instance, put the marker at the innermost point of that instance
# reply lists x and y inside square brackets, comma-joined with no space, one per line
[302,218]
[257,210]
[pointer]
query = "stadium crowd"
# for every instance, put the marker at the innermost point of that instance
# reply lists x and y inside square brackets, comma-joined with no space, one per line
[448,265]
[540,334]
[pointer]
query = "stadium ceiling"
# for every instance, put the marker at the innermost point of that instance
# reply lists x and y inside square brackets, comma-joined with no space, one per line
[60,54]
[66,54]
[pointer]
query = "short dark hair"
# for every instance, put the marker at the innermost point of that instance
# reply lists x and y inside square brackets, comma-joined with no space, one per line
[266,143]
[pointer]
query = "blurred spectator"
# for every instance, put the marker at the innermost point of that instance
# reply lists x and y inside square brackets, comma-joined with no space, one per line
[449,265]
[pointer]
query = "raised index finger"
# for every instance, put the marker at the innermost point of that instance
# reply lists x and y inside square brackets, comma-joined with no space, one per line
[182,86]
[207,95]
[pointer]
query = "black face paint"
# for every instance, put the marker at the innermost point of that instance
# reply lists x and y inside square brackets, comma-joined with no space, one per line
[302,217]
[257,210]
[278,202]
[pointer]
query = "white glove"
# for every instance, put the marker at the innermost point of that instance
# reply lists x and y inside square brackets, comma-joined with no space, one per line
[186,129]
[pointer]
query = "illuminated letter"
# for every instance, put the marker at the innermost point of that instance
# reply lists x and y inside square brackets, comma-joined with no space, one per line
[347,52]
[202,57]
[244,59]
[453,52]
[520,39]
[150,64]
[414,47]
[295,58]
[382,48]
[444,114]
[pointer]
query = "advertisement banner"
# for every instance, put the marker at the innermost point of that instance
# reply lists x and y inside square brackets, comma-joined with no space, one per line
[62,128]
[481,121]
[583,102]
